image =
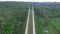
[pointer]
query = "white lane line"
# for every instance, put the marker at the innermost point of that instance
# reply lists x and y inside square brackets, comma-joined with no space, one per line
[26,30]
[34,31]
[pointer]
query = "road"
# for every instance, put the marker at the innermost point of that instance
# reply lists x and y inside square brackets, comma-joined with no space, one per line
[30,25]
[26,29]
[34,31]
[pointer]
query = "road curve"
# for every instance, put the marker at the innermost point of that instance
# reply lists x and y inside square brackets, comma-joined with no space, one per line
[26,29]
[34,31]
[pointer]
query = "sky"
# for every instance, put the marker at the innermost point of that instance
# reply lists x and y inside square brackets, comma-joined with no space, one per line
[34,0]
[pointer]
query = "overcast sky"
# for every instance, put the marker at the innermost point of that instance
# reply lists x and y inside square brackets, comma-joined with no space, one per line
[34,0]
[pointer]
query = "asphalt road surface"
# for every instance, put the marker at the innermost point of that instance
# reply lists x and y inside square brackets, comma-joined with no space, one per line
[30,25]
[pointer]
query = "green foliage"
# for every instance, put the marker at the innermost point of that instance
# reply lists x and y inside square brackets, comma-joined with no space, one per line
[47,18]
[13,17]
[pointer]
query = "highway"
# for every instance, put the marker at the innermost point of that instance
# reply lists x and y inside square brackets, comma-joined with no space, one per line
[34,31]
[26,29]
[30,25]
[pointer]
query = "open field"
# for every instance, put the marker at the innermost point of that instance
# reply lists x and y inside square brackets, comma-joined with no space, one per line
[53,27]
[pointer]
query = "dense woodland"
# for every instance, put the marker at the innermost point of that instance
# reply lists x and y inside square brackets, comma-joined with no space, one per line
[13,17]
[47,17]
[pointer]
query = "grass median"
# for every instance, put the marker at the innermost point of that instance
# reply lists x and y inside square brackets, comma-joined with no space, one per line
[30,29]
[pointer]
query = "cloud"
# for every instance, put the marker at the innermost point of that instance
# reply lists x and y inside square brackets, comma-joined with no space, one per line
[34,0]
[45,0]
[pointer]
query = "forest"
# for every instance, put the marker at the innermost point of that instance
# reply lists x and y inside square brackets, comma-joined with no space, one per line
[47,18]
[13,17]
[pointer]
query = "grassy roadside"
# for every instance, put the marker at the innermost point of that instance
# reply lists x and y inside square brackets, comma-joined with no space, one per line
[30,29]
